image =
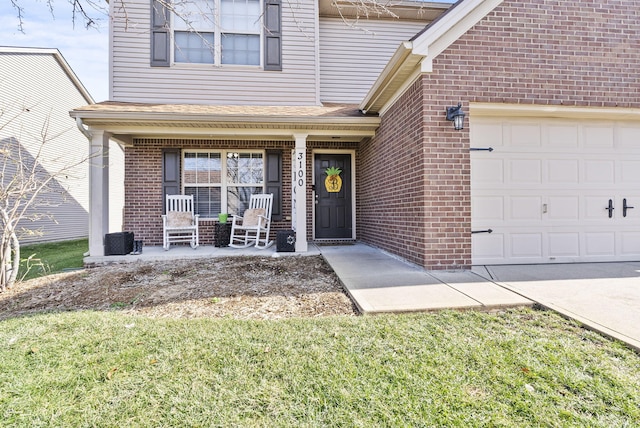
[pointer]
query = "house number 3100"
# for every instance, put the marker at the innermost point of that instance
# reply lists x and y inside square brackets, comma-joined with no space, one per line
[300,158]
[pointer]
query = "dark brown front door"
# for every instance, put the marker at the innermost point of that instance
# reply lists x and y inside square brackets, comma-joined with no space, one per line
[333,210]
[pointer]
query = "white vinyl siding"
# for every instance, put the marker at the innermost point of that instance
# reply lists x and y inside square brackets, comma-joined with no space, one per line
[37,82]
[134,80]
[352,57]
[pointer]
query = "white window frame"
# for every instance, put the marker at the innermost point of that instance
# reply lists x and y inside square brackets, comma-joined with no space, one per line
[217,40]
[224,183]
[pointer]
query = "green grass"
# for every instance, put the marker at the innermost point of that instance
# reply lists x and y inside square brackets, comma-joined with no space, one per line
[51,257]
[471,369]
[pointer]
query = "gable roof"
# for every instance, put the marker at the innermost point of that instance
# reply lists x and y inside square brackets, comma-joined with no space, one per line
[59,59]
[416,56]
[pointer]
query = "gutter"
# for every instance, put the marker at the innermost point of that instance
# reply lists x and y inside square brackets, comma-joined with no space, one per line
[82,129]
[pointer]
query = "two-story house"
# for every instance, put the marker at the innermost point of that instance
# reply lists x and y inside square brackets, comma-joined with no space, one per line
[263,96]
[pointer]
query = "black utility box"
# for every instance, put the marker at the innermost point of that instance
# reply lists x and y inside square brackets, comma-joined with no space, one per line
[118,244]
[222,234]
[286,241]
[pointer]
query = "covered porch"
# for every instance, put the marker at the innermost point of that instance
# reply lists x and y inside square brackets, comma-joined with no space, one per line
[144,130]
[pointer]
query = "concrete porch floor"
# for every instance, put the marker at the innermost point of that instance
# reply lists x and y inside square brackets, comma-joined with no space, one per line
[186,252]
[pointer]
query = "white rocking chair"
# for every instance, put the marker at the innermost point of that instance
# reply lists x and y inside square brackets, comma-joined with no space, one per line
[253,228]
[180,224]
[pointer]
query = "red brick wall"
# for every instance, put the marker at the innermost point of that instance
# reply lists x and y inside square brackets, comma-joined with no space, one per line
[577,53]
[546,52]
[143,185]
[391,181]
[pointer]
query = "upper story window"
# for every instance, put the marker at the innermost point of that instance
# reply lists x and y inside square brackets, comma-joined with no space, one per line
[217,32]
[220,32]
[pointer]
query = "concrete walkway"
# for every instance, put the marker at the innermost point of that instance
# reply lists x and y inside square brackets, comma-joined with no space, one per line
[604,297]
[378,282]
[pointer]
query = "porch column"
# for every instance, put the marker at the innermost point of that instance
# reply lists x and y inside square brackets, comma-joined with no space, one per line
[300,191]
[98,191]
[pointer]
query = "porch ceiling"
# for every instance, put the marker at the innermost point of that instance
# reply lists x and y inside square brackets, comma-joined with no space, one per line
[127,121]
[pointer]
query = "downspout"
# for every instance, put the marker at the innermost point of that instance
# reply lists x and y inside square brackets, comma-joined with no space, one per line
[85,131]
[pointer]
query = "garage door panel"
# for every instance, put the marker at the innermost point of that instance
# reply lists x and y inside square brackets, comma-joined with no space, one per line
[630,172]
[600,244]
[487,171]
[524,135]
[627,137]
[487,134]
[595,207]
[490,246]
[563,208]
[545,192]
[526,245]
[562,136]
[564,245]
[525,208]
[563,171]
[599,172]
[630,244]
[525,171]
[598,136]
[488,208]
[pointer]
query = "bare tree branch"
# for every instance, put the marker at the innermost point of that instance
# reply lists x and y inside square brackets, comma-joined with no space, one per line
[27,187]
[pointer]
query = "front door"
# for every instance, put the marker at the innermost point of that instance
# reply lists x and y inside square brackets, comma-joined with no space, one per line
[333,204]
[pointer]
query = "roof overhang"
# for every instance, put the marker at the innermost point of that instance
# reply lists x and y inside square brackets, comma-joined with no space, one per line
[129,121]
[416,56]
[416,10]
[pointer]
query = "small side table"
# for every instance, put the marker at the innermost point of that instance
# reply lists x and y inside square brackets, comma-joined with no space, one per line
[222,234]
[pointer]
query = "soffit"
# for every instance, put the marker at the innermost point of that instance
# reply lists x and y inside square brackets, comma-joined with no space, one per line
[405,67]
[140,120]
[425,11]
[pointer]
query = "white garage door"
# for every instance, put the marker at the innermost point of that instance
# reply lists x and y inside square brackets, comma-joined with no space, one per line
[554,190]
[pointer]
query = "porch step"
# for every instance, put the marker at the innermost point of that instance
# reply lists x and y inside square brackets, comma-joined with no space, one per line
[321,242]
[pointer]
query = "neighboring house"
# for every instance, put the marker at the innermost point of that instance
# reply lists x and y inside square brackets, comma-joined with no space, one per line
[37,90]
[551,87]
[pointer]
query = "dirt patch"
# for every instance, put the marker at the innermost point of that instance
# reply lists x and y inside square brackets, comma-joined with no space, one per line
[234,287]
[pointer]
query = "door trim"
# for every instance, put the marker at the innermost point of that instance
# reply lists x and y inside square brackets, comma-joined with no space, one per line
[353,187]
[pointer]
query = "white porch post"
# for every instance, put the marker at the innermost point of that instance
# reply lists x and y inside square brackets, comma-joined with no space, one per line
[300,189]
[98,192]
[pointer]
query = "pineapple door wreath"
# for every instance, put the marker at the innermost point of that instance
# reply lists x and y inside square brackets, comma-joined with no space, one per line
[333,182]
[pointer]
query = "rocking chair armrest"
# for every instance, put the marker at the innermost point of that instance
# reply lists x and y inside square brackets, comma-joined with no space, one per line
[235,219]
[196,218]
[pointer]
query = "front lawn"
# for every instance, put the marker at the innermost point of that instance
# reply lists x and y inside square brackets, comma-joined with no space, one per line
[510,368]
[51,257]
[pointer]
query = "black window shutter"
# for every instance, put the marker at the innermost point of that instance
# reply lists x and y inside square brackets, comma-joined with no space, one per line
[273,35]
[274,182]
[159,34]
[170,174]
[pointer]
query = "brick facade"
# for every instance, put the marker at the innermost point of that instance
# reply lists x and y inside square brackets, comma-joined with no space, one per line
[391,181]
[414,185]
[143,183]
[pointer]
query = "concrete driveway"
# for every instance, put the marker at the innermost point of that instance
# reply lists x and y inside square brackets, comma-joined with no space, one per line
[603,296]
